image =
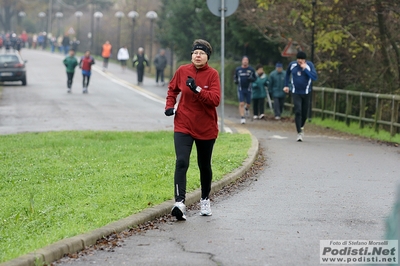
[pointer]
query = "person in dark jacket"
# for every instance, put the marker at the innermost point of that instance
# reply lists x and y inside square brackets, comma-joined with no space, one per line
[300,73]
[160,62]
[65,43]
[244,76]
[70,63]
[275,87]
[259,92]
[139,60]
[75,44]
[7,44]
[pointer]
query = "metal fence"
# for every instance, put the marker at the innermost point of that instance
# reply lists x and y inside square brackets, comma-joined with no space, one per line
[379,111]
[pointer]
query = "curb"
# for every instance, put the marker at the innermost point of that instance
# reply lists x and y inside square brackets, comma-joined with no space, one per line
[77,243]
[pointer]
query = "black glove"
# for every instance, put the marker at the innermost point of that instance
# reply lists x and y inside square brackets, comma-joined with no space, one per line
[169,112]
[236,81]
[191,84]
[251,78]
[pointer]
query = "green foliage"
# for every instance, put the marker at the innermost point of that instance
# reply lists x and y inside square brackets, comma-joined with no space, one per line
[29,26]
[181,22]
[355,41]
[230,89]
[59,184]
[354,129]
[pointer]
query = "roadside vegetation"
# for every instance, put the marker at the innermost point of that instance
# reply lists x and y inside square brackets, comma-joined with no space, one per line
[354,129]
[59,184]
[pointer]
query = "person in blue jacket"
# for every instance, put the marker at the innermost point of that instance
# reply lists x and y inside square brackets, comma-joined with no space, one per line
[300,73]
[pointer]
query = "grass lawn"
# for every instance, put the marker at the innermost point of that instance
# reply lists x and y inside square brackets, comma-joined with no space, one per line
[56,185]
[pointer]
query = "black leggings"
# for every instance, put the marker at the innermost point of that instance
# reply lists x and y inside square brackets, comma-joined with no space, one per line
[301,103]
[70,77]
[140,73]
[85,81]
[183,148]
[258,106]
[105,62]
[278,105]
[160,74]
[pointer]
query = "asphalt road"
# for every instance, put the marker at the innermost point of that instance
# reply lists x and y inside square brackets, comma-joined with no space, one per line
[326,188]
[45,105]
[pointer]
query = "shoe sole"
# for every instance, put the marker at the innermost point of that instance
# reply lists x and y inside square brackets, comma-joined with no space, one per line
[178,214]
[205,214]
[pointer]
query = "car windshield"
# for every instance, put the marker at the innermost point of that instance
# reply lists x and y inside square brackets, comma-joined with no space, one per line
[8,58]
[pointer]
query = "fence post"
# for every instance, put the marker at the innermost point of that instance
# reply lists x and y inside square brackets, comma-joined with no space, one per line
[334,104]
[313,103]
[323,104]
[377,114]
[348,108]
[394,116]
[362,111]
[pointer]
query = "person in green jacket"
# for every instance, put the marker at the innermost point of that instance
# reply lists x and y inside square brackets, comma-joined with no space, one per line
[70,63]
[259,92]
[276,84]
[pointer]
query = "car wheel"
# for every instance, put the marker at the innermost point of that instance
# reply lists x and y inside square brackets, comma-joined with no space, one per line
[24,81]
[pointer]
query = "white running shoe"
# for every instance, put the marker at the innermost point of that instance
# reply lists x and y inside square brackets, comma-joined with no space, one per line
[299,137]
[242,121]
[302,132]
[179,211]
[255,117]
[246,111]
[261,116]
[205,209]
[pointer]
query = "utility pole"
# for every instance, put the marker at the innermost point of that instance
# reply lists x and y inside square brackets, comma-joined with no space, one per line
[313,3]
[49,17]
[91,24]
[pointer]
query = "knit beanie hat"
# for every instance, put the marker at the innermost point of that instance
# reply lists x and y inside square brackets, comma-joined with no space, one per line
[301,55]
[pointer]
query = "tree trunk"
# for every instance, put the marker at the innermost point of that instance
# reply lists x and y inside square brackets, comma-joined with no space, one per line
[397,58]
[388,78]
[8,14]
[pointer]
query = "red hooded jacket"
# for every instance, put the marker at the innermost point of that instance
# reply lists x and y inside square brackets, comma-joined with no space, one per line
[196,114]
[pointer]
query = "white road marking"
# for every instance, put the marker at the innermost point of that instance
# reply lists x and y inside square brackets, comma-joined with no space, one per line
[278,137]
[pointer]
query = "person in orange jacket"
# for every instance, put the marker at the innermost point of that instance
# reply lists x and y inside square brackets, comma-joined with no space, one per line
[106,54]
